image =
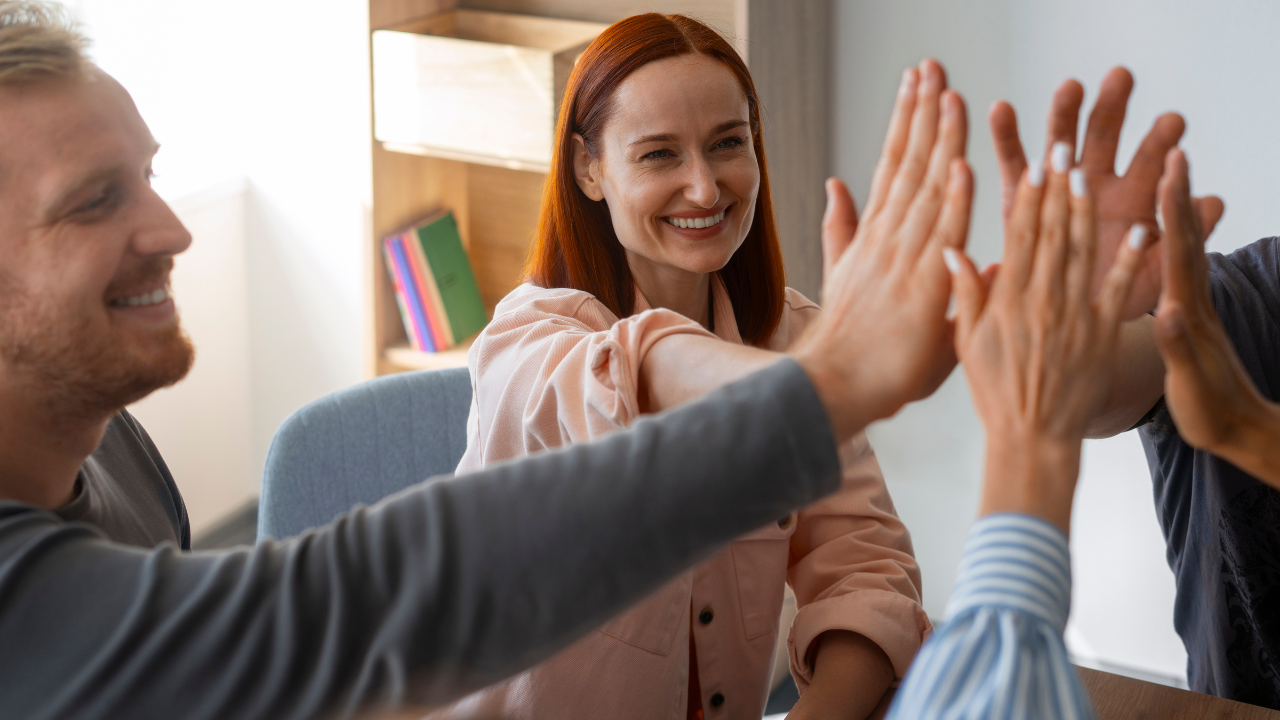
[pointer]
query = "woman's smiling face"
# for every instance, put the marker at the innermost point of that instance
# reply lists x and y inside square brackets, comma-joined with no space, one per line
[676,166]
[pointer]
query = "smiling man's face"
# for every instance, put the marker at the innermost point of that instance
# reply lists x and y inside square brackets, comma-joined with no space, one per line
[86,248]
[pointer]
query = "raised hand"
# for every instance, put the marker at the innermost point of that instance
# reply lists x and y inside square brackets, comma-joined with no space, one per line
[1037,347]
[1210,395]
[1121,201]
[886,286]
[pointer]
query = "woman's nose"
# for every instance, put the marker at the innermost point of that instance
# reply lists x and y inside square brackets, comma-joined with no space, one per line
[702,188]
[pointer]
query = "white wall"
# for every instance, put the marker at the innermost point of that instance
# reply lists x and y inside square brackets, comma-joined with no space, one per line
[1211,61]
[272,96]
[203,425]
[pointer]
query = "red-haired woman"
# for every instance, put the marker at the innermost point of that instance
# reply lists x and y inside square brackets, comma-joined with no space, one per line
[656,269]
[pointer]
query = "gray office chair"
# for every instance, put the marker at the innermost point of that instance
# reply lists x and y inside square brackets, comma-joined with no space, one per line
[361,444]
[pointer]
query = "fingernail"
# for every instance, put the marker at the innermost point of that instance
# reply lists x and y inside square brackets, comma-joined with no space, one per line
[1076,180]
[1061,156]
[952,259]
[904,87]
[1035,174]
[1137,236]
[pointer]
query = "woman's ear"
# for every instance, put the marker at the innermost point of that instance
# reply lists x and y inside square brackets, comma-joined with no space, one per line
[586,170]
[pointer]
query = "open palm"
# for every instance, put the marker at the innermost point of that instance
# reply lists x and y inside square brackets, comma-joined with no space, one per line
[1122,200]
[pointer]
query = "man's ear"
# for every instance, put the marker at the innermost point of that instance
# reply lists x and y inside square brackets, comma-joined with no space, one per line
[586,170]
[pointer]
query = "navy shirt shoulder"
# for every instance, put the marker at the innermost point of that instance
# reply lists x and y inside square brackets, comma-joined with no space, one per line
[1221,525]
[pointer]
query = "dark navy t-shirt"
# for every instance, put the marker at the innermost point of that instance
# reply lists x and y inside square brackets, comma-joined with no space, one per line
[1222,525]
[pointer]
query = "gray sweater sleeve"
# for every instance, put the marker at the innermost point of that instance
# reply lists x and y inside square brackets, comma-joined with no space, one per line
[441,589]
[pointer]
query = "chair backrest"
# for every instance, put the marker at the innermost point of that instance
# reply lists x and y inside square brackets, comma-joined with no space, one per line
[361,444]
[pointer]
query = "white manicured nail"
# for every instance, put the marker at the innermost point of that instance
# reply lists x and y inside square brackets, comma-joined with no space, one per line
[1035,175]
[952,259]
[1060,156]
[1076,180]
[1137,236]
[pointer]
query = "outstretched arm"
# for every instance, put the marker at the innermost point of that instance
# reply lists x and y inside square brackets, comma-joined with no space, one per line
[1038,351]
[430,594]
[1214,403]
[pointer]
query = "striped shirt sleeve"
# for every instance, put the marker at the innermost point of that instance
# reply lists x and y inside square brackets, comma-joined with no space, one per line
[1000,654]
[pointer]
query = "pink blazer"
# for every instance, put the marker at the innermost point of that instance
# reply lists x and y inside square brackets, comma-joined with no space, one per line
[556,367]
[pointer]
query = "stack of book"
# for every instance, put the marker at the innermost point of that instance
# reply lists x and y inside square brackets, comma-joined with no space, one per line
[435,288]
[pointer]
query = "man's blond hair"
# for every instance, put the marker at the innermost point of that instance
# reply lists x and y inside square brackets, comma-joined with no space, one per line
[39,39]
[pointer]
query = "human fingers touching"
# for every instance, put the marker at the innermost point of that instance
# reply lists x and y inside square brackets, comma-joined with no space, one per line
[1010,156]
[922,214]
[924,132]
[885,295]
[1147,166]
[1022,228]
[1054,240]
[952,227]
[1120,280]
[1102,133]
[895,139]
[1083,241]
[1037,347]
[1064,118]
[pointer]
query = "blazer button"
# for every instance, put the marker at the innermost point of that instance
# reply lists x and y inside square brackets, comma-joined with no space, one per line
[717,700]
[785,522]
[706,616]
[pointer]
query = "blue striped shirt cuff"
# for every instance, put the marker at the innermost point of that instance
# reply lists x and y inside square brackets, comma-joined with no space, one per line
[1017,562]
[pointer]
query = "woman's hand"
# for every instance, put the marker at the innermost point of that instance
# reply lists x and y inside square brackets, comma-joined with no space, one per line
[1036,347]
[1210,395]
[883,335]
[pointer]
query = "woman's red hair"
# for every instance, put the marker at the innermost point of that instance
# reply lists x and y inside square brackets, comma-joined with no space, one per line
[575,245]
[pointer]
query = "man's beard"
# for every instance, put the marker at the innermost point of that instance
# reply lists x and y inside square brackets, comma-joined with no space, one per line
[79,368]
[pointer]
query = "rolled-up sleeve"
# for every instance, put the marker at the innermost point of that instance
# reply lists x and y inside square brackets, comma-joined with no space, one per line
[555,367]
[852,568]
[1000,652]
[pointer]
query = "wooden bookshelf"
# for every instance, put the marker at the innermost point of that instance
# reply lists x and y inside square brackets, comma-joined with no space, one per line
[496,201]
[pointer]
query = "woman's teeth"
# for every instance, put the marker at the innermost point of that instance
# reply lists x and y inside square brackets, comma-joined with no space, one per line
[155,297]
[697,223]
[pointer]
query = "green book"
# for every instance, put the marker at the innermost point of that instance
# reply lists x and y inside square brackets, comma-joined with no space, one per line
[452,272]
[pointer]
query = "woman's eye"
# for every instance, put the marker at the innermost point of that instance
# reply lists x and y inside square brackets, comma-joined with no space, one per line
[730,142]
[656,155]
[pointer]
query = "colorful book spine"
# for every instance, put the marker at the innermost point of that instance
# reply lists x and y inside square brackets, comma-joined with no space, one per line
[459,295]
[402,301]
[426,284]
[416,308]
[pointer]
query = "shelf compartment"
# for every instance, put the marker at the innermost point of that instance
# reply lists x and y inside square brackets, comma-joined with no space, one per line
[469,84]
[403,357]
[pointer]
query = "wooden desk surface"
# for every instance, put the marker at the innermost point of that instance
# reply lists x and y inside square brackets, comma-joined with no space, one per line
[1120,698]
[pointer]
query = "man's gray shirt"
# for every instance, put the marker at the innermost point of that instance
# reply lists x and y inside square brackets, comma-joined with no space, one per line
[441,589]
[125,490]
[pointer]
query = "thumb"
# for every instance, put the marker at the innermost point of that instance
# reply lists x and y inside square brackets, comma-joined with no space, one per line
[970,292]
[1210,209]
[988,275]
[839,223]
